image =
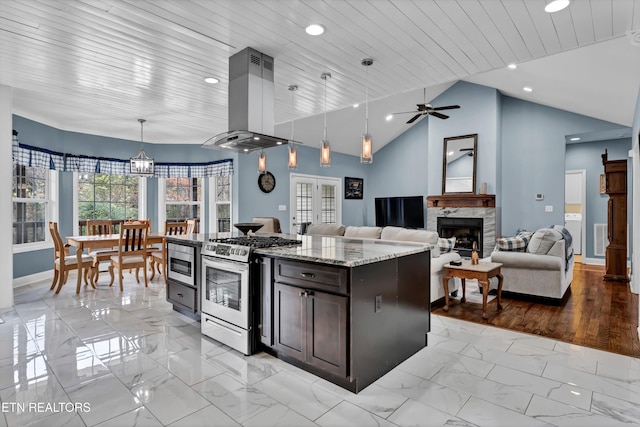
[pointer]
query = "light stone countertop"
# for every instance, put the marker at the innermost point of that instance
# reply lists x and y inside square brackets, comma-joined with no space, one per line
[341,251]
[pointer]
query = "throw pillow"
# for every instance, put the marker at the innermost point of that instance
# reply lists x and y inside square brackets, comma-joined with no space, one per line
[446,245]
[512,244]
[542,240]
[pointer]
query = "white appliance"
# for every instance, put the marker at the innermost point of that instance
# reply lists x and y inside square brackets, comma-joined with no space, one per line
[573,223]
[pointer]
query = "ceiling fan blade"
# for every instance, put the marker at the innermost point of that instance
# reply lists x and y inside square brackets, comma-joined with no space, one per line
[448,107]
[405,112]
[438,115]
[414,118]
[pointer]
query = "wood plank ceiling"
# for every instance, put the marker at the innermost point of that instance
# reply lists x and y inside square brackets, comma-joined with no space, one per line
[95,66]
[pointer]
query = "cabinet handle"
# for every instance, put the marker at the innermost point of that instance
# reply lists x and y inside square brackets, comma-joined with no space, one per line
[305,293]
[308,275]
[180,295]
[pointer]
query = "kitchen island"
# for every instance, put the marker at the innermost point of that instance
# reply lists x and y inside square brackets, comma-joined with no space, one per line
[347,310]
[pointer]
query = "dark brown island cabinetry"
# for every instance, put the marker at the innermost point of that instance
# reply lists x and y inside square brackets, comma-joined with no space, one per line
[349,325]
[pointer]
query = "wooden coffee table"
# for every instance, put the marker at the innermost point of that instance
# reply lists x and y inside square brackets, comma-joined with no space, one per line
[482,271]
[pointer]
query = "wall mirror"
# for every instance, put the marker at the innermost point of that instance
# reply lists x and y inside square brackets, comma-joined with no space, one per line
[459,164]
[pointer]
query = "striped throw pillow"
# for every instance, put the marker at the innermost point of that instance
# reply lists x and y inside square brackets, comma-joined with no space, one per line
[513,244]
[446,245]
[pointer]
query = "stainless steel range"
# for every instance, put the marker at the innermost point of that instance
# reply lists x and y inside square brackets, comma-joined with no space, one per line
[227,288]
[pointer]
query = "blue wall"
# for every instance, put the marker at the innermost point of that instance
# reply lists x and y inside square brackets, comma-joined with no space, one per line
[587,156]
[533,161]
[253,202]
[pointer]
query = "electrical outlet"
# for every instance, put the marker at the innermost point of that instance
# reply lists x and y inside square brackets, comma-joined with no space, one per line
[282,207]
[539,196]
[548,208]
[378,303]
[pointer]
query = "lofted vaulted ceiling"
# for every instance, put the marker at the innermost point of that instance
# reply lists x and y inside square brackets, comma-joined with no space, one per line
[95,66]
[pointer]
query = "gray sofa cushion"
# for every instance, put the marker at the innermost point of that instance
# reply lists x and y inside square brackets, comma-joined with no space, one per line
[542,240]
[326,229]
[363,232]
[528,261]
[406,235]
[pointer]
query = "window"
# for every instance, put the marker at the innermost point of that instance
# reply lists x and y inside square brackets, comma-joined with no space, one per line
[221,201]
[105,196]
[35,192]
[183,198]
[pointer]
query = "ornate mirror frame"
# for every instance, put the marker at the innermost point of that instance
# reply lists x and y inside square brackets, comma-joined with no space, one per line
[462,175]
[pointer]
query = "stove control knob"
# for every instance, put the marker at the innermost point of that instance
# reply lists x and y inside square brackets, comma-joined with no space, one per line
[244,252]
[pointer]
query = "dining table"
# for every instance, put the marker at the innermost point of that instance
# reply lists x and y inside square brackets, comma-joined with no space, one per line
[101,241]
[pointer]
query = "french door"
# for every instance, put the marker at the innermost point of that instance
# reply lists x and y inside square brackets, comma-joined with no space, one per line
[314,199]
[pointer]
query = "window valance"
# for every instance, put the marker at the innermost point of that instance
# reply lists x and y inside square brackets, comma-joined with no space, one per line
[38,157]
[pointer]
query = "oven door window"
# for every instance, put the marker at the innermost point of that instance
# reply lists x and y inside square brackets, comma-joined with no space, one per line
[224,288]
[180,266]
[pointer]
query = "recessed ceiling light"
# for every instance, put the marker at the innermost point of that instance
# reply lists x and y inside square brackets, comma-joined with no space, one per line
[556,6]
[356,105]
[315,29]
[450,153]
[527,89]
[211,80]
[574,139]
[512,66]
[256,138]
[389,117]
[279,143]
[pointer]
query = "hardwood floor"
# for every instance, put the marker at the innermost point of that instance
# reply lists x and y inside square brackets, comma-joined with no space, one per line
[593,313]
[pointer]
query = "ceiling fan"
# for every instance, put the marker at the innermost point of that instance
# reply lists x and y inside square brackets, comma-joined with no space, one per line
[425,109]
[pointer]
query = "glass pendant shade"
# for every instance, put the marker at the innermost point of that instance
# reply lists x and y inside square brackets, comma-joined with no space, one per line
[325,154]
[293,156]
[366,155]
[366,152]
[262,163]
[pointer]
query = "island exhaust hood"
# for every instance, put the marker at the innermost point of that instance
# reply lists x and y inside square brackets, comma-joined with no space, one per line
[251,104]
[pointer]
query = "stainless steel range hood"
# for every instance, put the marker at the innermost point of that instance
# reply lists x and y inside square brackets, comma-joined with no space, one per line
[251,104]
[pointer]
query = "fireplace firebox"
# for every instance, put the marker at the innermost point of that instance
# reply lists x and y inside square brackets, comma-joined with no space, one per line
[465,230]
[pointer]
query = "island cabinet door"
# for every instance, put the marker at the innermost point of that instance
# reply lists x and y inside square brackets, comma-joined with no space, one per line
[327,332]
[290,320]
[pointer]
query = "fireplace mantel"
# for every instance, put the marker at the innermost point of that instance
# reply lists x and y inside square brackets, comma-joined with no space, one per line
[462,201]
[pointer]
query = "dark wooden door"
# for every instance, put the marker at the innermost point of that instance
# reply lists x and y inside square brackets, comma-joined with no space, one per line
[290,320]
[327,331]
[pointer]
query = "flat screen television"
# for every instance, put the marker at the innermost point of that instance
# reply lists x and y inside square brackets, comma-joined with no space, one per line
[405,212]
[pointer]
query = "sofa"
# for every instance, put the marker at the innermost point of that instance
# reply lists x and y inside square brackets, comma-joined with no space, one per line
[536,264]
[441,254]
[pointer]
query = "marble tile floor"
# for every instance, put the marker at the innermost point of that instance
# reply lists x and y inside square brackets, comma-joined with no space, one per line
[106,358]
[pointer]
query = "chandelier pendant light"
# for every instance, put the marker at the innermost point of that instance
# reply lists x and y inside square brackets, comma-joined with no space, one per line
[293,150]
[262,162]
[366,154]
[325,148]
[141,165]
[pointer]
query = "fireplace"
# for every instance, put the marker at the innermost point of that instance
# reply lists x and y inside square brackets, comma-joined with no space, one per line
[465,230]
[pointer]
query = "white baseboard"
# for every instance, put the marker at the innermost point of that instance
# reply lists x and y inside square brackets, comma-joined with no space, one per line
[593,261]
[31,278]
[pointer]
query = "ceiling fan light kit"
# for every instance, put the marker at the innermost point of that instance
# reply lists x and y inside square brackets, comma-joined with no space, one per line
[325,147]
[366,153]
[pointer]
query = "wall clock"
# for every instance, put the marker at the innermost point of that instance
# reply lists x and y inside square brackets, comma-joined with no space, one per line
[266,182]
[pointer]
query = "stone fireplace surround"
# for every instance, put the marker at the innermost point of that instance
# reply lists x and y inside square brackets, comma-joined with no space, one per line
[465,206]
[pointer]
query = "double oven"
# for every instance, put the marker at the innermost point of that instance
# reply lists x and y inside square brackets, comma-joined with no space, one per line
[228,290]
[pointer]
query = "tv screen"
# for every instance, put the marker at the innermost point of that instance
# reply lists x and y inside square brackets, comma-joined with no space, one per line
[405,212]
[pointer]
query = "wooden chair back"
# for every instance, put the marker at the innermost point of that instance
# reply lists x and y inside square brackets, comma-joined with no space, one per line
[175,228]
[192,226]
[58,245]
[133,239]
[97,227]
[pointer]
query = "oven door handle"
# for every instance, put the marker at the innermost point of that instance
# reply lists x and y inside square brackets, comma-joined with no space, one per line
[232,266]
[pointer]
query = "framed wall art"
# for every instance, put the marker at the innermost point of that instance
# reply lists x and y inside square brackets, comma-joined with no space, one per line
[353,188]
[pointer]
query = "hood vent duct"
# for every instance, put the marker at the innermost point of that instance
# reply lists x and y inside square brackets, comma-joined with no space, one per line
[251,104]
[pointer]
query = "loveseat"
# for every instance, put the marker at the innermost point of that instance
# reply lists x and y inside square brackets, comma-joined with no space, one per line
[441,254]
[538,264]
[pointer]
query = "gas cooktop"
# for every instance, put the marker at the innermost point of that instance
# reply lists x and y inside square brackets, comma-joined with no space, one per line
[239,248]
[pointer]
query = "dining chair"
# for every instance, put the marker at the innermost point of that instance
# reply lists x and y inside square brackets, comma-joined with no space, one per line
[149,249]
[159,258]
[97,227]
[192,226]
[132,251]
[63,262]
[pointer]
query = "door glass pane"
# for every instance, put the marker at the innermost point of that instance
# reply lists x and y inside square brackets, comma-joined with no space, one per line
[304,203]
[328,204]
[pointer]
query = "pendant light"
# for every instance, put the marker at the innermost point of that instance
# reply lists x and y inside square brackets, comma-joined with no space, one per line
[293,150]
[262,162]
[141,165]
[325,148]
[366,154]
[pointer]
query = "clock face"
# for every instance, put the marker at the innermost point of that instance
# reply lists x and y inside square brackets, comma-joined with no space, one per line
[267,182]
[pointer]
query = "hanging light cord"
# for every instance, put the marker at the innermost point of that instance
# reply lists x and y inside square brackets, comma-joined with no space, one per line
[325,108]
[292,107]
